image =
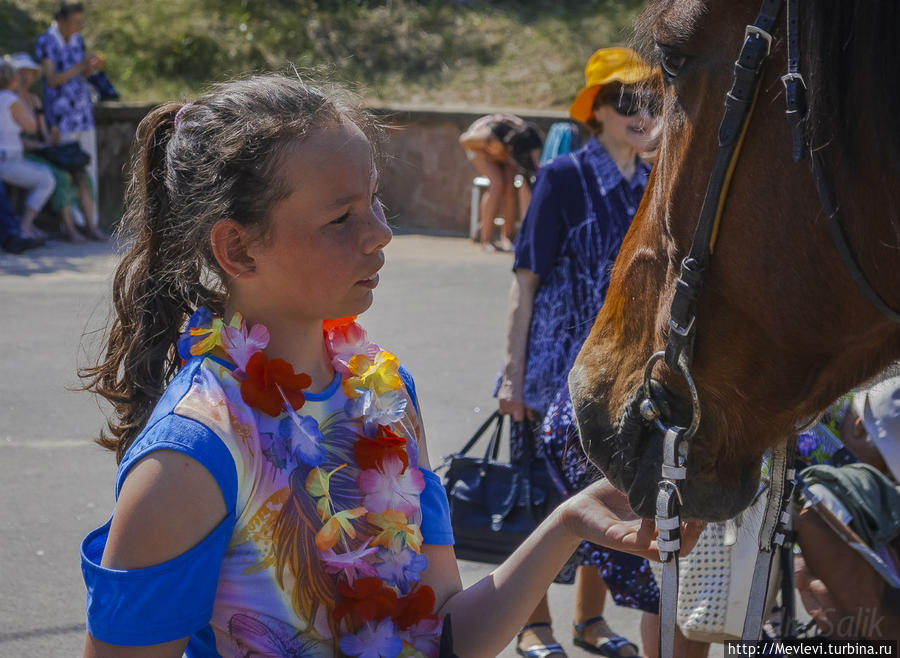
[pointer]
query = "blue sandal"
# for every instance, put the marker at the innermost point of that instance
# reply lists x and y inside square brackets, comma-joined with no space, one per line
[610,648]
[538,650]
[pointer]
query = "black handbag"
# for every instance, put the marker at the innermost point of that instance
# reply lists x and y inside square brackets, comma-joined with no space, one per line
[494,505]
[68,156]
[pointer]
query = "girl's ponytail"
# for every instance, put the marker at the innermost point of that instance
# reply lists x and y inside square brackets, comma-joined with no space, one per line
[149,304]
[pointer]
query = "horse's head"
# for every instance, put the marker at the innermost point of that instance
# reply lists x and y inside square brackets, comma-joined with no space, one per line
[781,328]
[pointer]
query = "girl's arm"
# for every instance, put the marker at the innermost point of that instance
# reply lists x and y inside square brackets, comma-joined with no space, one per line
[23,116]
[168,504]
[521,306]
[487,615]
[55,79]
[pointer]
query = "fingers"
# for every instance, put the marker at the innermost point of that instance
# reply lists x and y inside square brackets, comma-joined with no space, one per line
[690,533]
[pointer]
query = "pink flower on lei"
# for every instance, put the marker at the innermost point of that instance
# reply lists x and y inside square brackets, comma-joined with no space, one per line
[389,487]
[346,342]
[352,563]
[240,344]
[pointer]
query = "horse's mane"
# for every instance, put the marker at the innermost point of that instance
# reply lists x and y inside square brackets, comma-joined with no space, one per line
[854,74]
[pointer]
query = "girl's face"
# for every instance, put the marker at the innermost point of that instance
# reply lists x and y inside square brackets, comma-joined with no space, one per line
[324,248]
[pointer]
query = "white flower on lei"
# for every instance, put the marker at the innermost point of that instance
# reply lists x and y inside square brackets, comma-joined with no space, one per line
[390,487]
[241,344]
[375,409]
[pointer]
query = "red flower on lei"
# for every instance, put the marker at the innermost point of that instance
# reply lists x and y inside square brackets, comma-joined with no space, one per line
[366,599]
[414,607]
[337,323]
[269,383]
[370,452]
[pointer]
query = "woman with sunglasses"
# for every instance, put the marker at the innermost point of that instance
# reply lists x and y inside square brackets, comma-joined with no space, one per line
[581,207]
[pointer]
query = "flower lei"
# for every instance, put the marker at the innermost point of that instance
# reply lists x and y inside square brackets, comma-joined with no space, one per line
[378,582]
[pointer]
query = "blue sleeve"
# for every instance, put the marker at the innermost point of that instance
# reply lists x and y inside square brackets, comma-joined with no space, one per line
[541,234]
[168,601]
[410,384]
[436,528]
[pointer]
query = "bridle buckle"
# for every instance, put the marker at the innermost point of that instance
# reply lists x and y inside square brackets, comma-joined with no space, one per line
[761,34]
[793,77]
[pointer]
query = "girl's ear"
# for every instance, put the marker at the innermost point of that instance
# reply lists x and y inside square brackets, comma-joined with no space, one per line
[230,243]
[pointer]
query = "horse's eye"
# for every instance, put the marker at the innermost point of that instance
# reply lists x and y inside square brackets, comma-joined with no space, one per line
[670,61]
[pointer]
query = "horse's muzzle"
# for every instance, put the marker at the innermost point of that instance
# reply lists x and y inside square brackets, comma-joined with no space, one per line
[629,452]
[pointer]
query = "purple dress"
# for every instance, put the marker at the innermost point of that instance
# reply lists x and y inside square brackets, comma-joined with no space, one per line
[579,213]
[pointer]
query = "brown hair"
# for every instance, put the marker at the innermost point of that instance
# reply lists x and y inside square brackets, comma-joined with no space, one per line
[218,160]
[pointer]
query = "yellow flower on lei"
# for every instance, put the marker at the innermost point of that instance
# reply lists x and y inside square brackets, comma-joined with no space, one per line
[213,335]
[318,483]
[330,534]
[380,376]
[394,524]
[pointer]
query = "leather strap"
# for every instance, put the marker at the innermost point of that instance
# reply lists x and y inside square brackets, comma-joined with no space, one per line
[772,535]
[839,236]
[739,103]
[794,84]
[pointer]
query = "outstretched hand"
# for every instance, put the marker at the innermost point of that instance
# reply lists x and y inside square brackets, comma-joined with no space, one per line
[601,514]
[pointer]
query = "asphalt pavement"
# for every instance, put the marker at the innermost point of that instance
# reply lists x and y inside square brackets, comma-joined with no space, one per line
[440,306]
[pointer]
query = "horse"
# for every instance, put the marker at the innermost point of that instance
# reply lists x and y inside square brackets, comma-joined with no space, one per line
[782,327]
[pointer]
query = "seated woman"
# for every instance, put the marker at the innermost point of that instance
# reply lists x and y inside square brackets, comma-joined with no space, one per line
[14,168]
[72,188]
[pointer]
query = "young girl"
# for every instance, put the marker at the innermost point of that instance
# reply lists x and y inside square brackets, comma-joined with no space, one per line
[274,495]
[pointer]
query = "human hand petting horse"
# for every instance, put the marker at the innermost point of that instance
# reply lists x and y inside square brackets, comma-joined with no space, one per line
[601,514]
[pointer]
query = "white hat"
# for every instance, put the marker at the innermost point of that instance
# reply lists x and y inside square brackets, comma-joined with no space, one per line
[24,61]
[879,409]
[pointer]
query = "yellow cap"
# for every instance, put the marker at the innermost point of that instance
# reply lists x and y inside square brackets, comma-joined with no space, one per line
[605,66]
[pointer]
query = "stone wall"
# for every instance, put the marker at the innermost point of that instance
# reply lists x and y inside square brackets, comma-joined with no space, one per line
[425,180]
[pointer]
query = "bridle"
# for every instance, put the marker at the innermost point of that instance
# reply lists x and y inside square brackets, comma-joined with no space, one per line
[678,354]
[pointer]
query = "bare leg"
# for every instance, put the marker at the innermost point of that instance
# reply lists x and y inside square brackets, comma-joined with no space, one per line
[27,224]
[510,208]
[684,648]
[86,200]
[70,231]
[590,601]
[493,195]
[541,634]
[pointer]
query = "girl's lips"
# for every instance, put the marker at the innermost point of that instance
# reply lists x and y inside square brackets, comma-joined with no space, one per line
[369,283]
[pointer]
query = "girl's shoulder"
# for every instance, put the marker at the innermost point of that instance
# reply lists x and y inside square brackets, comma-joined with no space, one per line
[172,426]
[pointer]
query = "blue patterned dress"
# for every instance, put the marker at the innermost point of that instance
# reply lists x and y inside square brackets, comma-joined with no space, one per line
[579,213]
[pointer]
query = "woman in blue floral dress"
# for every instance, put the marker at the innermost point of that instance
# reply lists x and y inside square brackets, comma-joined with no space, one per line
[581,207]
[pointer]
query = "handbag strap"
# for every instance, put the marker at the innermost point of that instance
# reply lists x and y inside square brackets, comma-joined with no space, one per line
[493,446]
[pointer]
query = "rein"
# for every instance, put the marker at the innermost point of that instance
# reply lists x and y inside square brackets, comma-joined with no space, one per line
[740,101]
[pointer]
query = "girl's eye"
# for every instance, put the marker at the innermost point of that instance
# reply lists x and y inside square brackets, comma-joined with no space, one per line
[340,220]
[670,62]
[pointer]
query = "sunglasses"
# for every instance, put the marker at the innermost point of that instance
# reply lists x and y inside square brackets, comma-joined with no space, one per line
[628,104]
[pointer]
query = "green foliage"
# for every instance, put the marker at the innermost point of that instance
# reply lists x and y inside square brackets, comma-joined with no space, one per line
[526,53]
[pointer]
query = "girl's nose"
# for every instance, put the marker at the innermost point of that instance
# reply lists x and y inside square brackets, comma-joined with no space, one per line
[379,233]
